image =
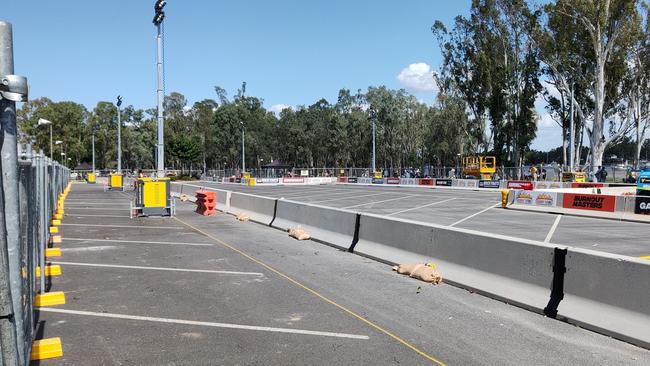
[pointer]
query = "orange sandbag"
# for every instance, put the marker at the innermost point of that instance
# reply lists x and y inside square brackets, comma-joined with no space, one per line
[423,272]
[243,217]
[299,233]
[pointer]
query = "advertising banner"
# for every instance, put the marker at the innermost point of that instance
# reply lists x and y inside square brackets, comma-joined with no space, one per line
[587,185]
[288,180]
[377,181]
[642,205]
[364,180]
[343,179]
[443,182]
[520,184]
[237,180]
[592,202]
[489,184]
[426,182]
[392,181]
[267,180]
[548,185]
[532,198]
[352,179]
[408,181]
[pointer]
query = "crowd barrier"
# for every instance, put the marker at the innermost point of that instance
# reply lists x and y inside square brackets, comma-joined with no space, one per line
[601,292]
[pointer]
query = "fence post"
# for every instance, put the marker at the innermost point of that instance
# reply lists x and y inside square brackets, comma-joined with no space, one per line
[9,154]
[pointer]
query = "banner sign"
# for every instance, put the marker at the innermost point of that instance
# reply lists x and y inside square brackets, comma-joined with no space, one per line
[592,202]
[532,198]
[267,180]
[343,179]
[548,185]
[237,180]
[377,181]
[465,183]
[642,205]
[489,183]
[293,180]
[443,182]
[520,184]
[408,181]
[392,181]
[426,182]
[586,185]
[352,179]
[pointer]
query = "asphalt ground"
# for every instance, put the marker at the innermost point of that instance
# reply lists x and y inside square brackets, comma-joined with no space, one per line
[469,209]
[200,290]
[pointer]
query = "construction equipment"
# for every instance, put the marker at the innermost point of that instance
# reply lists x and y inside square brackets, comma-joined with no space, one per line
[479,167]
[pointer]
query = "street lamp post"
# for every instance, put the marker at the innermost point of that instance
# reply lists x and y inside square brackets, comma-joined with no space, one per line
[157,21]
[572,136]
[243,147]
[119,135]
[59,142]
[373,117]
[93,142]
[41,122]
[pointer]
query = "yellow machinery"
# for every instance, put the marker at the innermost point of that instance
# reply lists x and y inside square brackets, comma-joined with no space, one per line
[377,175]
[116,183]
[246,175]
[580,177]
[480,167]
[91,178]
[152,197]
[251,182]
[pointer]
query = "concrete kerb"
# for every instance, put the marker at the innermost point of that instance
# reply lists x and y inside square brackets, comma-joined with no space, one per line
[332,226]
[512,270]
[607,293]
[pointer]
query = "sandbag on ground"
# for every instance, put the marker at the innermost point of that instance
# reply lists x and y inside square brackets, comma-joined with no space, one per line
[299,233]
[420,271]
[243,217]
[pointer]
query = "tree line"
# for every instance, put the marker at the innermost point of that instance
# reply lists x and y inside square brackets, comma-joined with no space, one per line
[585,61]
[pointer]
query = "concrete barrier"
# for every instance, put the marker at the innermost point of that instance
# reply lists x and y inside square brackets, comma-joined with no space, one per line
[608,293]
[517,271]
[325,224]
[260,209]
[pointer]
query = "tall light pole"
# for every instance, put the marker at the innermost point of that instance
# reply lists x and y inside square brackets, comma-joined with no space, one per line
[93,142]
[41,122]
[59,142]
[157,21]
[373,117]
[572,136]
[243,147]
[119,135]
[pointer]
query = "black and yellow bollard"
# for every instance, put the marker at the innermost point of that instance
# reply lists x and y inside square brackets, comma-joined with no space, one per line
[504,197]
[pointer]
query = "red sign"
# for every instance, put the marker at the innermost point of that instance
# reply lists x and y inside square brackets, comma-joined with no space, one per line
[293,180]
[392,181]
[343,179]
[586,185]
[426,182]
[592,202]
[520,184]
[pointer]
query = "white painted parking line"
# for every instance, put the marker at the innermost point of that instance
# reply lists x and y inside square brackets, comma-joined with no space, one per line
[419,207]
[348,197]
[382,201]
[205,324]
[127,226]
[158,268]
[125,208]
[553,228]
[476,214]
[138,242]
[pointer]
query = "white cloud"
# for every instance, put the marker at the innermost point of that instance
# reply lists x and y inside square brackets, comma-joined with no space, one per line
[277,108]
[417,77]
[545,121]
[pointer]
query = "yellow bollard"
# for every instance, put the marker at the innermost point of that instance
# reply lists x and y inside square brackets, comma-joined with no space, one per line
[504,197]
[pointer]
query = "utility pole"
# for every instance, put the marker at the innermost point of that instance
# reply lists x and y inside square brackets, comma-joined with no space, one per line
[157,21]
[373,117]
[119,135]
[572,136]
[13,89]
[93,150]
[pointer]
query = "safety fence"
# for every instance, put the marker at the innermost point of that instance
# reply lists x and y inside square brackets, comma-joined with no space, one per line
[29,218]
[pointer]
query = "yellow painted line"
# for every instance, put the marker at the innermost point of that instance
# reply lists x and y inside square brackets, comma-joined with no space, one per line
[319,295]
[46,348]
[645,257]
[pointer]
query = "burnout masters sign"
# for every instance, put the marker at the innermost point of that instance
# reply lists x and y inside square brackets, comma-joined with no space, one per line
[592,202]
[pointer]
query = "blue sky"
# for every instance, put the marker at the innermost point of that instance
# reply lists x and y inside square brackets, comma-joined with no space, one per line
[290,52]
